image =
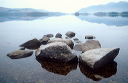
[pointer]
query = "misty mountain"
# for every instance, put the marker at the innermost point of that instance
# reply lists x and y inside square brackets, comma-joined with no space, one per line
[110,7]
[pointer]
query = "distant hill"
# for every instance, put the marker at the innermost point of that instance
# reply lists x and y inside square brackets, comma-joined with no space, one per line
[110,7]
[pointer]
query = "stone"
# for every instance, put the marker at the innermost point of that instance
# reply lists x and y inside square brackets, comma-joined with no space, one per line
[19,54]
[44,40]
[88,45]
[58,35]
[69,42]
[56,51]
[70,34]
[49,35]
[97,58]
[31,44]
[89,37]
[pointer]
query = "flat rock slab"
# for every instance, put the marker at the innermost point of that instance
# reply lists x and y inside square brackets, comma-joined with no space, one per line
[88,45]
[56,51]
[89,37]
[19,54]
[98,58]
[69,42]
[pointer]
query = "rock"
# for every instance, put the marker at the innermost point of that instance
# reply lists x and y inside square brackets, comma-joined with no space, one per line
[20,54]
[49,35]
[76,40]
[31,44]
[70,34]
[89,37]
[44,40]
[58,35]
[97,58]
[22,48]
[56,51]
[88,45]
[67,41]
[96,75]
[62,68]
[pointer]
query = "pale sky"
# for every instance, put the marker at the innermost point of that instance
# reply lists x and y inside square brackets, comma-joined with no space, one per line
[67,6]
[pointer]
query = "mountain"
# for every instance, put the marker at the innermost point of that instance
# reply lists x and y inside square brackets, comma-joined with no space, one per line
[110,7]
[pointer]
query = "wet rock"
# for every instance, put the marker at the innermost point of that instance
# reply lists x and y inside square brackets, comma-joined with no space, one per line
[49,35]
[76,40]
[97,58]
[58,35]
[70,34]
[89,37]
[19,54]
[31,44]
[67,41]
[96,75]
[44,40]
[62,68]
[88,45]
[22,48]
[56,51]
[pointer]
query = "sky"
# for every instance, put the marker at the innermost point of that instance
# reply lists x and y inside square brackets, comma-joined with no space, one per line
[66,6]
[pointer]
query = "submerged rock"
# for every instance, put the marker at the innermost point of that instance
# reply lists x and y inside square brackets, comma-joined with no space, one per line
[70,34]
[62,68]
[88,45]
[96,75]
[89,37]
[56,51]
[67,41]
[31,44]
[98,58]
[58,35]
[19,54]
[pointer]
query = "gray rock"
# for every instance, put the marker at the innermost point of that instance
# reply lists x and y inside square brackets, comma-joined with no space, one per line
[70,34]
[67,41]
[31,44]
[44,40]
[58,35]
[98,58]
[56,51]
[88,45]
[19,54]
[89,37]
[22,48]
[76,40]
[49,35]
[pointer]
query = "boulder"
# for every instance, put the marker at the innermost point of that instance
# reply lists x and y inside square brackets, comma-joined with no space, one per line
[31,44]
[97,58]
[70,34]
[76,40]
[19,54]
[44,40]
[67,41]
[49,35]
[58,35]
[88,45]
[56,51]
[89,37]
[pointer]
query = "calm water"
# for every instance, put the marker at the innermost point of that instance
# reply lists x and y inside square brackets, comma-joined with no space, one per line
[110,31]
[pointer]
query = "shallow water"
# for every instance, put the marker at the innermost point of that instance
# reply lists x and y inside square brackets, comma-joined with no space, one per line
[28,70]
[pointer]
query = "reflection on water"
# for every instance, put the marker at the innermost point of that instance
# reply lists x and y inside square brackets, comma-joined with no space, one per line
[99,74]
[58,67]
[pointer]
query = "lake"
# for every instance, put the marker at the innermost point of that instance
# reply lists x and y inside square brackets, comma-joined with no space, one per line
[109,31]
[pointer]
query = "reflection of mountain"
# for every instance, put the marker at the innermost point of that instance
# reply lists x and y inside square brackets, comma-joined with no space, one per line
[110,7]
[7,14]
[110,21]
[103,72]
[58,67]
